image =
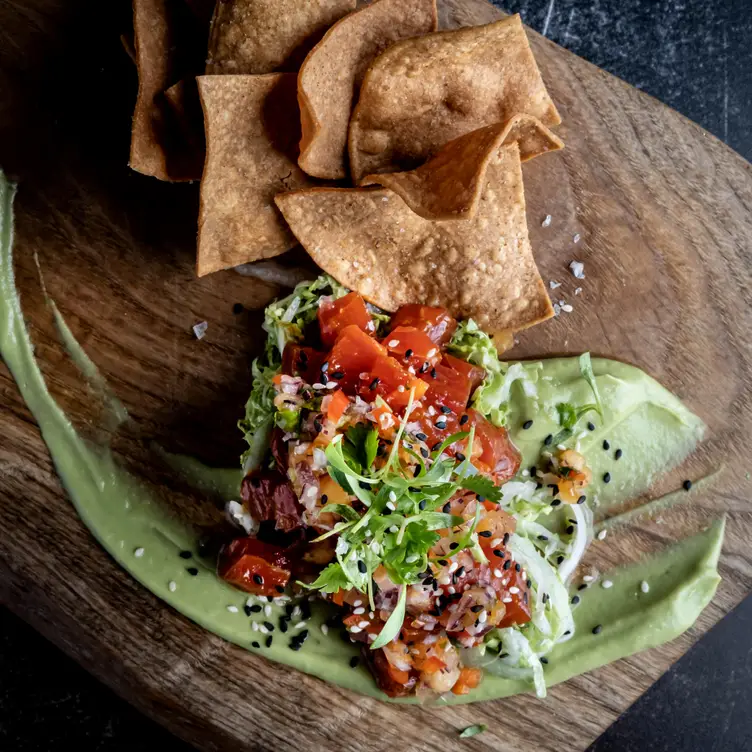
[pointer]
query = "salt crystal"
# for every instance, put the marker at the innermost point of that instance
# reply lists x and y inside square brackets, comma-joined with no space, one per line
[547,221]
[200,329]
[578,269]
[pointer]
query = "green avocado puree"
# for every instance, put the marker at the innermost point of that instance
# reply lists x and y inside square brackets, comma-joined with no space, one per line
[650,426]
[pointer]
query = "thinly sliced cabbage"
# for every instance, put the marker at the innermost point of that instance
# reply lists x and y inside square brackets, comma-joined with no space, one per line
[519,662]
[582,538]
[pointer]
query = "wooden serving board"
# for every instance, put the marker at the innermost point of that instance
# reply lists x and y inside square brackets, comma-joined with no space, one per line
[664,214]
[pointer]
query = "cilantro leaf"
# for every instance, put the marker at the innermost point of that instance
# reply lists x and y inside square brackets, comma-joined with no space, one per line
[347,513]
[371,447]
[474,730]
[393,624]
[330,580]
[567,414]
[483,486]
[586,369]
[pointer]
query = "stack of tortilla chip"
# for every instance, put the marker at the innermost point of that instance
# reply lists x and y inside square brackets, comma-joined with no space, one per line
[430,127]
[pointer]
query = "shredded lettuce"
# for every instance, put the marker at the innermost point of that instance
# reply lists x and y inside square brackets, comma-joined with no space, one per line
[492,397]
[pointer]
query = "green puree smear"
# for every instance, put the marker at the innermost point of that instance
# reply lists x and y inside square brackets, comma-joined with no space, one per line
[650,426]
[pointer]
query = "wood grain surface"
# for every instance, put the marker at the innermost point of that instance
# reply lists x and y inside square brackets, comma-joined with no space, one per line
[663,211]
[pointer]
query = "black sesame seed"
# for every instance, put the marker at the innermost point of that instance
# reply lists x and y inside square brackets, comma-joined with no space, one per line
[533,471]
[192,571]
[422,505]
[247,610]
[283,625]
[258,579]
[324,498]
[485,533]
[598,628]
[447,508]
[542,537]
[606,445]
[269,641]
[337,375]
[421,436]
[460,457]
[408,353]
[545,598]
[255,644]
[618,454]
[354,661]
[554,487]
[269,626]
[362,568]
[433,373]
[295,645]
[436,446]
[517,567]
[687,485]
[365,486]
[255,608]
[185,554]
[443,562]
[476,609]
[424,367]
[237,308]
[591,426]
[424,453]
[606,477]
[480,498]
[527,424]
[499,553]
[374,383]
[529,582]
[556,502]
[416,471]
[440,424]
[464,419]
[570,530]
[582,499]
[583,586]
[547,441]
[507,564]
[544,660]
[575,599]
[505,539]
[446,410]
[453,545]
[538,486]
[303,636]
[460,571]
[525,597]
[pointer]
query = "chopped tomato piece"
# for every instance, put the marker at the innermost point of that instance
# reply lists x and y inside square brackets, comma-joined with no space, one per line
[474,374]
[337,406]
[302,361]
[469,679]
[430,665]
[518,609]
[435,322]
[498,523]
[447,387]
[388,379]
[353,353]
[412,347]
[335,315]
[254,566]
[391,681]
[497,452]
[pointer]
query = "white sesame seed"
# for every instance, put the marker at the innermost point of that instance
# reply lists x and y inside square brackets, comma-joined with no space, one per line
[138,553]
[525,473]
[296,612]
[363,624]
[393,529]
[514,590]
[267,610]
[331,384]
[607,584]
[318,385]
[644,587]
[497,542]
[371,615]
[506,599]
[602,534]
[371,637]
[482,617]
[561,447]
[392,496]
[358,603]
[453,567]
[576,238]
[232,609]
[400,388]
[255,626]
[588,578]
[299,625]
[355,630]
[324,629]
[546,221]
[431,352]
[393,343]
[451,590]
[263,629]
[391,505]
[498,573]
[172,585]
[567,308]
[359,610]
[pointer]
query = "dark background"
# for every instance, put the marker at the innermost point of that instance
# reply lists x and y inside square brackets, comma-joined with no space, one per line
[693,55]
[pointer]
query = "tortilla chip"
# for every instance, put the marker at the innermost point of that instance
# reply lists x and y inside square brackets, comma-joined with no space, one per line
[169,44]
[481,268]
[187,122]
[267,36]
[449,186]
[331,75]
[424,92]
[252,134]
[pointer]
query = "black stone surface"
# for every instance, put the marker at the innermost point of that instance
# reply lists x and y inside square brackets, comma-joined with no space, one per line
[694,55]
